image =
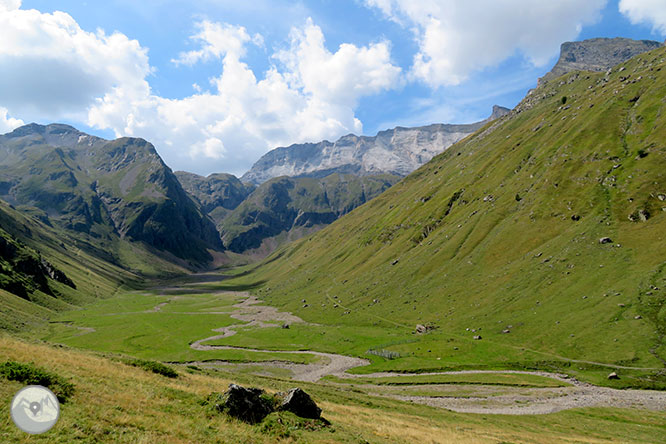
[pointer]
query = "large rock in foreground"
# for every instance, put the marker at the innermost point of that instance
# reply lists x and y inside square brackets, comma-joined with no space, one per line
[299,403]
[246,404]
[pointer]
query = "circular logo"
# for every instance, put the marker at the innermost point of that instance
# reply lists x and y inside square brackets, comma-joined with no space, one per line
[35,409]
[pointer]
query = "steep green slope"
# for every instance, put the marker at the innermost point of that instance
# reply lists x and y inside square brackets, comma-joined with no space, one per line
[103,191]
[543,233]
[287,208]
[44,270]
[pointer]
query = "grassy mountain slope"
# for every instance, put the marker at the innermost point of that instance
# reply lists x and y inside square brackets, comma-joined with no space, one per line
[499,237]
[33,258]
[116,403]
[102,190]
[292,207]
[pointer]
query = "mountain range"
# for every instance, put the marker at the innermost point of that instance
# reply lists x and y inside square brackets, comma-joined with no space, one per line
[397,151]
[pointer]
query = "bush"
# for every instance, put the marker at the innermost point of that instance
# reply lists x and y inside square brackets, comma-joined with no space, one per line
[155,367]
[29,374]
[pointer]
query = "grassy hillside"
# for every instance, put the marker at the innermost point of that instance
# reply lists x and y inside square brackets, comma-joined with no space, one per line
[33,258]
[501,237]
[117,403]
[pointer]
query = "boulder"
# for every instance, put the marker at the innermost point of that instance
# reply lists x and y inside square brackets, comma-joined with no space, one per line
[299,403]
[605,240]
[477,337]
[613,375]
[243,403]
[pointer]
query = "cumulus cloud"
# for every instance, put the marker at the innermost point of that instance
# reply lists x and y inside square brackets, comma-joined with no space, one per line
[49,66]
[9,5]
[308,95]
[458,37]
[217,40]
[8,123]
[652,12]
[51,69]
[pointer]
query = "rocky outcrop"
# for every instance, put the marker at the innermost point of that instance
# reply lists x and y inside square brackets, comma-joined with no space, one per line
[597,54]
[397,151]
[300,404]
[252,405]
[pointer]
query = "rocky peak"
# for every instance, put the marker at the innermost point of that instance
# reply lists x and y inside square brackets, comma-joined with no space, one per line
[597,54]
[397,151]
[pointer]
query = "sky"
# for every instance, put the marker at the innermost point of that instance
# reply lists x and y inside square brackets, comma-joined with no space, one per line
[215,84]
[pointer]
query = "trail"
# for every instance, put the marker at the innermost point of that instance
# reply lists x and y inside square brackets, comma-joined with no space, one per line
[483,398]
[263,316]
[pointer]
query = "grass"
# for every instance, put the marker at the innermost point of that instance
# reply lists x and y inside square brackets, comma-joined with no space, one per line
[128,324]
[485,262]
[121,404]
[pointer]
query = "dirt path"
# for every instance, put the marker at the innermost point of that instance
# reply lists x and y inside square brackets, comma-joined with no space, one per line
[254,315]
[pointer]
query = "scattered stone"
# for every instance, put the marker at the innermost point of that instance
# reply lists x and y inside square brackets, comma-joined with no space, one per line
[605,240]
[305,305]
[575,217]
[613,375]
[643,215]
[285,326]
[395,261]
[506,330]
[455,348]
[661,197]
[620,305]
[303,301]
[423,329]
[638,317]
[301,404]
[243,403]
[477,337]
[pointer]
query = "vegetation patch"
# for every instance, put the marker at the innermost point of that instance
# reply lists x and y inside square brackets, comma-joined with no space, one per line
[155,367]
[30,374]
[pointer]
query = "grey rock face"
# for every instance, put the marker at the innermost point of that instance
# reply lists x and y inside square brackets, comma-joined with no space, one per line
[396,151]
[597,55]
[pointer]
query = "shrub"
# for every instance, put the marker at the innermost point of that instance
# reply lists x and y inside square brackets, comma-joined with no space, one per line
[155,367]
[29,374]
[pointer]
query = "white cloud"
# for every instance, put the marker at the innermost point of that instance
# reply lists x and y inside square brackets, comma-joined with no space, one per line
[652,12]
[310,95]
[50,67]
[217,40]
[458,37]
[8,123]
[10,5]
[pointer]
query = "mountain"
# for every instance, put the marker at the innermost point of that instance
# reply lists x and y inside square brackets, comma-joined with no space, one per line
[286,208]
[217,194]
[535,242]
[103,190]
[45,269]
[398,151]
[597,54]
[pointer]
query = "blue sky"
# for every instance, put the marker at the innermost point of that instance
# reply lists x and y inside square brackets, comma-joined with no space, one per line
[214,84]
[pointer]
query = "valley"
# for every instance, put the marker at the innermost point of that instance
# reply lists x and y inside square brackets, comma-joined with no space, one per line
[502,281]
[296,357]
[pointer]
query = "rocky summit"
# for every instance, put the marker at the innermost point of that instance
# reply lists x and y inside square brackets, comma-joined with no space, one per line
[397,151]
[597,54]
